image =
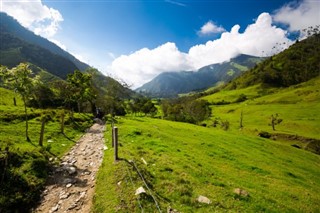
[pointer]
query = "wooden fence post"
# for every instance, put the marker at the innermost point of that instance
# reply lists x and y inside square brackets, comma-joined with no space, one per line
[115,143]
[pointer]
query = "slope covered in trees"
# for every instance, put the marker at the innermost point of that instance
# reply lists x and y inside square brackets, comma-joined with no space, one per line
[297,64]
[9,25]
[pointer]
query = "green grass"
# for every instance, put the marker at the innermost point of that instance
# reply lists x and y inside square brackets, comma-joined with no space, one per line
[185,161]
[25,165]
[298,106]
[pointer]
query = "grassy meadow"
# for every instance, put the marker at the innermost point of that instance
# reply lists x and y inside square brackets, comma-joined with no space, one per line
[185,161]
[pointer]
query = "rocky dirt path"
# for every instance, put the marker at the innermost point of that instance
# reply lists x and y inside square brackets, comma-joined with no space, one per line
[71,185]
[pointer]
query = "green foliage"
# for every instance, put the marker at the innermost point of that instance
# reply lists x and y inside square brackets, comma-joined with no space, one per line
[22,178]
[19,79]
[225,125]
[80,87]
[186,110]
[275,120]
[299,63]
[142,105]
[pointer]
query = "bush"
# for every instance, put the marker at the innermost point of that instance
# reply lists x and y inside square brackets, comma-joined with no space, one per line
[241,98]
[225,125]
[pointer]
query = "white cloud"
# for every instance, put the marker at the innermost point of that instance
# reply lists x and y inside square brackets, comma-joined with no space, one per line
[299,16]
[257,39]
[176,3]
[210,28]
[145,64]
[34,15]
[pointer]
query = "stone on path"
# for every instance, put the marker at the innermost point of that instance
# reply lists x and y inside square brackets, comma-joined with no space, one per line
[71,184]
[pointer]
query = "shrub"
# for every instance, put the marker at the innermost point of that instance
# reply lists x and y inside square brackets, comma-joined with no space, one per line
[225,125]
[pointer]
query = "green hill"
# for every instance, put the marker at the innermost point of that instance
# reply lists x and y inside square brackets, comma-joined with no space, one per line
[235,158]
[185,161]
[297,105]
[297,64]
[10,26]
[14,51]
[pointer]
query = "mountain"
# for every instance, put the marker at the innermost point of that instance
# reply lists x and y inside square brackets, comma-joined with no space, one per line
[46,59]
[299,63]
[170,84]
[19,45]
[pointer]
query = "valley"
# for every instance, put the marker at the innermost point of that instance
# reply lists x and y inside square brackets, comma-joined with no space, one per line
[237,136]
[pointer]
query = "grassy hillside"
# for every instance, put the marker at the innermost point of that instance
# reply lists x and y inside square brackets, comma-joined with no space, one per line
[24,165]
[299,63]
[297,105]
[185,161]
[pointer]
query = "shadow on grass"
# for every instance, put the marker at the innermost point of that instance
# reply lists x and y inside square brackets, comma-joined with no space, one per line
[70,139]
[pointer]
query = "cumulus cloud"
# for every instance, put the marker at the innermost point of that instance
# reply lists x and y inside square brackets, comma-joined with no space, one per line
[299,16]
[34,15]
[145,64]
[210,28]
[257,39]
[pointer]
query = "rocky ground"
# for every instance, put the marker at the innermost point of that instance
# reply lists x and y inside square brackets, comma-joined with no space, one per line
[71,185]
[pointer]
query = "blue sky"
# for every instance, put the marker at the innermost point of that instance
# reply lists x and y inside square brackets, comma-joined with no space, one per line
[137,40]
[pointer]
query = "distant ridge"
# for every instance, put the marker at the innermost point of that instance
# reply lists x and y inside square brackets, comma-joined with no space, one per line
[170,84]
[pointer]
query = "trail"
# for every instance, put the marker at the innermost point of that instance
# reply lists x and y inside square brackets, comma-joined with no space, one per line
[71,185]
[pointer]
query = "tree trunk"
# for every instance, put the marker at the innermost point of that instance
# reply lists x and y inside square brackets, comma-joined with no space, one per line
[93,109]
[62,122]
[241,119]
[273,119]
[26,117]
[14,101]
[43,123]
[79,107]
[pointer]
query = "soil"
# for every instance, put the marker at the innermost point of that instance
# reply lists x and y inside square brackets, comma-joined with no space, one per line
[71,185]
[310,144]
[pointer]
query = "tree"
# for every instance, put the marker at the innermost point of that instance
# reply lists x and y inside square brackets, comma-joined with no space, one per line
[241,119]
[20,80]
[81,86]
[186,110]
[147,107]
[275,121]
